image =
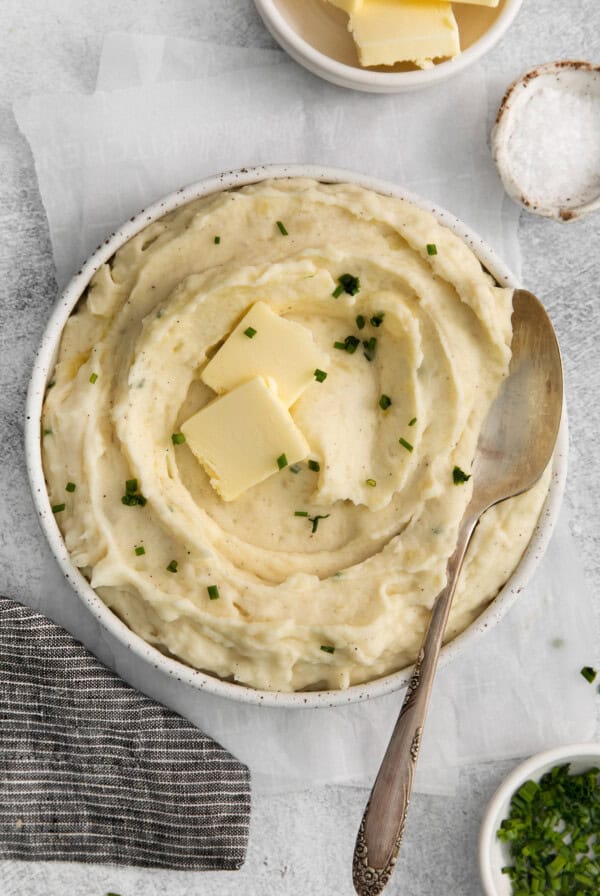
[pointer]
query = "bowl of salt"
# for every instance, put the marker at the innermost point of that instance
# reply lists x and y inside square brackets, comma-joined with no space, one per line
[546,140]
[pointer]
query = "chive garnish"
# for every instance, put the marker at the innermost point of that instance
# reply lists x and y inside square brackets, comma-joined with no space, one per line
[314,465]
[412,422]
[369,346]
[431,249]
[282,461]
[351,343]
[459,476]
[213,592]
[93,378]
[217,240]
[360,321]
[172,566]
[132,498]
[326,648]
[405,444]
[50,384]
[282,229]
[70,486]
[346,283]
[371,483]
[295,468]
[140,550]
[47,432]
[58,508]
[178,438]
[320,375]
[315,521]
[377,319]
[340,345]
[589,674]
[300,512]
[349,283]
[250,332]
[384,402]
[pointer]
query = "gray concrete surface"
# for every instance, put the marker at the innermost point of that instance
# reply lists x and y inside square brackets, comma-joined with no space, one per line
[300,843]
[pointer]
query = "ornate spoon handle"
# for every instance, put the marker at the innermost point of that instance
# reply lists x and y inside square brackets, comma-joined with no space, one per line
[382,827]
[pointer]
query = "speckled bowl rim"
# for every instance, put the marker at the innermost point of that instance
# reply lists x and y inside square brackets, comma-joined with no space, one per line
[373,81]
[497,808]
[501,132]
[44,364]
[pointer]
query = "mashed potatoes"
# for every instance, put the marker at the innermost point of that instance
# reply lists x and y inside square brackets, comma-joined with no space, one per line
[297,605]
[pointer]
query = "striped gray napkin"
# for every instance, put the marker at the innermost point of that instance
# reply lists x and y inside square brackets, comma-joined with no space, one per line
[93,771]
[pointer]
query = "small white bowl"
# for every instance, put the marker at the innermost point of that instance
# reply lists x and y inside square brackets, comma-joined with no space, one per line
[42,372]
[546,140]
[315,34]
[493,853]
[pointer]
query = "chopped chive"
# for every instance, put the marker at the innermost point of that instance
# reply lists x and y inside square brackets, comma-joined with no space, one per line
[70,486]
[351,343]
[213,592]
[250,332]
[326,648]
[314,465]
[315,521]
[141,500]
[50,384]
[340,345]
[377,319]
[412,422]
[172,566]
[58,508]
[405,444]
[178,438]
[282,229]
[459,476]
[589,674]
[320,375]
[217,240]
[295,468]
[300,512]
[349,283]
[282,461]
[47,432]
[384,402]
[93,378]
[371,483]
[360,322]
[140,550]
[131,486]
[431,249]
[337,291]
[369,348]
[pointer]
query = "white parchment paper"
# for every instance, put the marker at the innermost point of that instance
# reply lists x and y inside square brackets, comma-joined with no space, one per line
[167,112]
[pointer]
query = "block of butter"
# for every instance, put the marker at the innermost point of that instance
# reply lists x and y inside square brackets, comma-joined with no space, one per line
[265,344]
[418,31]
[244,437]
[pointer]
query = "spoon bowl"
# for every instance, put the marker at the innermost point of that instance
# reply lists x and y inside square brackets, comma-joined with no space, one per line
[515,446]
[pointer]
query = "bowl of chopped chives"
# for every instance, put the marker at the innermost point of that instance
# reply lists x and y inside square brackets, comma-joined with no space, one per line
[541,830]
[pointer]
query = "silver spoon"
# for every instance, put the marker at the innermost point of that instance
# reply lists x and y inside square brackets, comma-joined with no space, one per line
[514,448]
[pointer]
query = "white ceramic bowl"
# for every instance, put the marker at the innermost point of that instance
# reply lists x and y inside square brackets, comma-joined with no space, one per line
[42,371]
[493,853]
[315,34]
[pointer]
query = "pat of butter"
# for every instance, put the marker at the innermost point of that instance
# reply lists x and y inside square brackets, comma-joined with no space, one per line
[419,31]
[265,344]
[239,438]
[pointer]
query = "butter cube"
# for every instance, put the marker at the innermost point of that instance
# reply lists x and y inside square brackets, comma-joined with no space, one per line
[389,31]
[244,437]
[265,344]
